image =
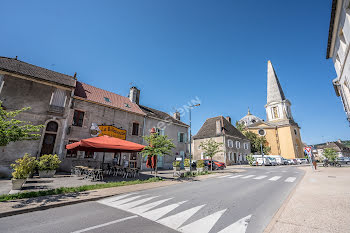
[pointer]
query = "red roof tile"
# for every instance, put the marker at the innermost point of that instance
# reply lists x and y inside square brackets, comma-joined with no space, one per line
[98,95]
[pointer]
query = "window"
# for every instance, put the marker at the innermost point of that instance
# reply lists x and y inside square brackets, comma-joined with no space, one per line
[89,154]
[135,128]
[78,118]
[107,100]
[238,144]
[71,153]
[181,137]
[230,143]
[275,113]
[52,126]
[261,132]
[295,132]
[245,145]
[58,98]
[160,131]
[199,147]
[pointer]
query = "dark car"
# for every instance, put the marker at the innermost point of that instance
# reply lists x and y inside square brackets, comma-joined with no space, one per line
[216,164]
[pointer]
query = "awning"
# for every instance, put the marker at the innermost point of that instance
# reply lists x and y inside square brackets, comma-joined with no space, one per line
[105,144]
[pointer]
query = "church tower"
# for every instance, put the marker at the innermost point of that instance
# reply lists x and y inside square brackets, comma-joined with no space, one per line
[277,106]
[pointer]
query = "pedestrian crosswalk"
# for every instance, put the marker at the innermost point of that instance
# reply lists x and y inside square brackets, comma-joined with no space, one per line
[157,209]
[290,179]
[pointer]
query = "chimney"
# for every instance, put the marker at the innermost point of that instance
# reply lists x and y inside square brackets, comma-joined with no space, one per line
[228,119]
[176,115]
[134,95]
[218,127]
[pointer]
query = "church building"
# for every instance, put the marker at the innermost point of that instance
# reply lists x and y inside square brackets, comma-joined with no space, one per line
[280,130]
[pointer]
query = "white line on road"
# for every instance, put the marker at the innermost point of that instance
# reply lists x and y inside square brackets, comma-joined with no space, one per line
[160,212]
[246,177]
[259,177]
[290,179]
[105,224]
[275,178]
[231,177]
[224,176]
[238,227]
[143,208]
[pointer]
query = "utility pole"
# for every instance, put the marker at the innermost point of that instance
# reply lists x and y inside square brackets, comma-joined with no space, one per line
[262,154]
[192,106]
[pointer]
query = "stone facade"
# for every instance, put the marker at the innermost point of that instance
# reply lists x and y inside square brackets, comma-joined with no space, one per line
[19,91]
[235,146]
[338,49]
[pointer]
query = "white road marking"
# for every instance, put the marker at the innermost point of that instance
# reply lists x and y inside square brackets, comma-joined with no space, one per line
[284,171]
[115,198]
[235,176]
[238,227]
[147,207]
[224,176]
[176,220]
[160,212]
[259,177]
[203,225]
[246,177]
[275,178]
[290,179]
[130,205]
[105,224]
[123,201]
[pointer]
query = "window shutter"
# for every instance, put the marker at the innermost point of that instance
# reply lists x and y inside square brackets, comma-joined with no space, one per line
[178,136]
[185,137]
[59,97]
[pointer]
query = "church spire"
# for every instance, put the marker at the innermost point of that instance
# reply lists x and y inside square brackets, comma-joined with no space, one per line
[274,89]
[249,112]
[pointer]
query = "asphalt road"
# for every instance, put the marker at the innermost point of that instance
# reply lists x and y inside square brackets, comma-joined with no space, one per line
[243,202]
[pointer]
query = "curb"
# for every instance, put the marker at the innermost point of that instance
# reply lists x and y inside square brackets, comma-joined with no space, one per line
[279,212]
[37,208]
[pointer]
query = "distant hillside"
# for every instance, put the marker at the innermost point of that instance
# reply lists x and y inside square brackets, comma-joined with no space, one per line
[346,143]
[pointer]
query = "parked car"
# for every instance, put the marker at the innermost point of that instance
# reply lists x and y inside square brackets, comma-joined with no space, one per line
[272,161]
[285,161]
[216,164]
[291,162]
[343,160]
[302,161]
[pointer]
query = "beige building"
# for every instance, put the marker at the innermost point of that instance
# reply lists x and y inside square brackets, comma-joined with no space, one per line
[235,146]
[280,130]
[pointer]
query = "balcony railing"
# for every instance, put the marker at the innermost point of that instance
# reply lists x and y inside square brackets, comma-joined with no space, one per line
[56,109]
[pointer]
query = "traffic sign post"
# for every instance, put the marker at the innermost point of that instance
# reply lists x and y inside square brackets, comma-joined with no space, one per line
[308,151]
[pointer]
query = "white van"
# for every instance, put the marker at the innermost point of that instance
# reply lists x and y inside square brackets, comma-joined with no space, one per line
[279,159]
[267,161]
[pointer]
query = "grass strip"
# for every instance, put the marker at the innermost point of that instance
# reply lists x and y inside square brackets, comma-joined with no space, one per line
[65,190]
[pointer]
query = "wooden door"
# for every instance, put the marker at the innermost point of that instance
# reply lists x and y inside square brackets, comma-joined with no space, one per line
[48,144]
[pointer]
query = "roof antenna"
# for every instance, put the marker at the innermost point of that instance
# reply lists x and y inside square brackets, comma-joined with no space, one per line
[75,75]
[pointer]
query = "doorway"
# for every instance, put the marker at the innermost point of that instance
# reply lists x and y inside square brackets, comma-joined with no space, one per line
[48,144]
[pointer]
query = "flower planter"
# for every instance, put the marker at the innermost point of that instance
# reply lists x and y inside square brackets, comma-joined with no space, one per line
[200,169]
[46,173]
[17,183]
[188,169]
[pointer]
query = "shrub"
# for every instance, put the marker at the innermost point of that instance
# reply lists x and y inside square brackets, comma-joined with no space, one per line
[176,163]
[23,167]
[250,159]
[187,162]
[200,163]
[48,162]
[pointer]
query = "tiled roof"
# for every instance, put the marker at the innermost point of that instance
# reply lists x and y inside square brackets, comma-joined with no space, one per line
[19,67]
[98,95]
[161,115]
[208,129]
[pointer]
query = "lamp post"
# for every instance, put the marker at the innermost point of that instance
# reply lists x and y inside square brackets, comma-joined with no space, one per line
[262,154]
[192,106]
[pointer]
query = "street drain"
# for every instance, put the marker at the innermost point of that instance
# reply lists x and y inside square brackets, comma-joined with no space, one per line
[331,176]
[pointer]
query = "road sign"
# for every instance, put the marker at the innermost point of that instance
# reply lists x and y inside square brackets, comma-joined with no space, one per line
[308,149]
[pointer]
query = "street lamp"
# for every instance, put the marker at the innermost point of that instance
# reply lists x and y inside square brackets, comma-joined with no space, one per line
[262,153]
[192,106]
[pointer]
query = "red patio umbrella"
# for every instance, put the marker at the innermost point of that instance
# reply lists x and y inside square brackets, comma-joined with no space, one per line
[105,144]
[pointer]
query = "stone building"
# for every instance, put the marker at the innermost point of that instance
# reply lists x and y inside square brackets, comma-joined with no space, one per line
[235,147]
[338,50]
[48,93]
[280,130]
[341,149]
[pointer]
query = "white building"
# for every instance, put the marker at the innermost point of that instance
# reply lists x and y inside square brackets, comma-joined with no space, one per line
[338,50]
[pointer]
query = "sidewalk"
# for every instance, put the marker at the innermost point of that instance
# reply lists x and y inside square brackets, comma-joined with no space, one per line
[320,203]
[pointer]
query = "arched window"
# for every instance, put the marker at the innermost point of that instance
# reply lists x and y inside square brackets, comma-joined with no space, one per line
[52,126]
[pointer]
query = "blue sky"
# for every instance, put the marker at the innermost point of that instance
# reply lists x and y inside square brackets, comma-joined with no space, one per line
[179,49]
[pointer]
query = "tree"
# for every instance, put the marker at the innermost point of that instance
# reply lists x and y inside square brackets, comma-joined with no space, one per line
[158,145]
[210,148]
[256,141]
[330,154]
[12,129]
[250,159]
[240,126]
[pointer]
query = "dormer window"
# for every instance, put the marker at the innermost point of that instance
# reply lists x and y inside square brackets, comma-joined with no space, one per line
[107,100]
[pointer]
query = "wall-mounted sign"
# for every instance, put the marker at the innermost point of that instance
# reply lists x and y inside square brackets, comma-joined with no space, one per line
[112,131]
[94,130]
